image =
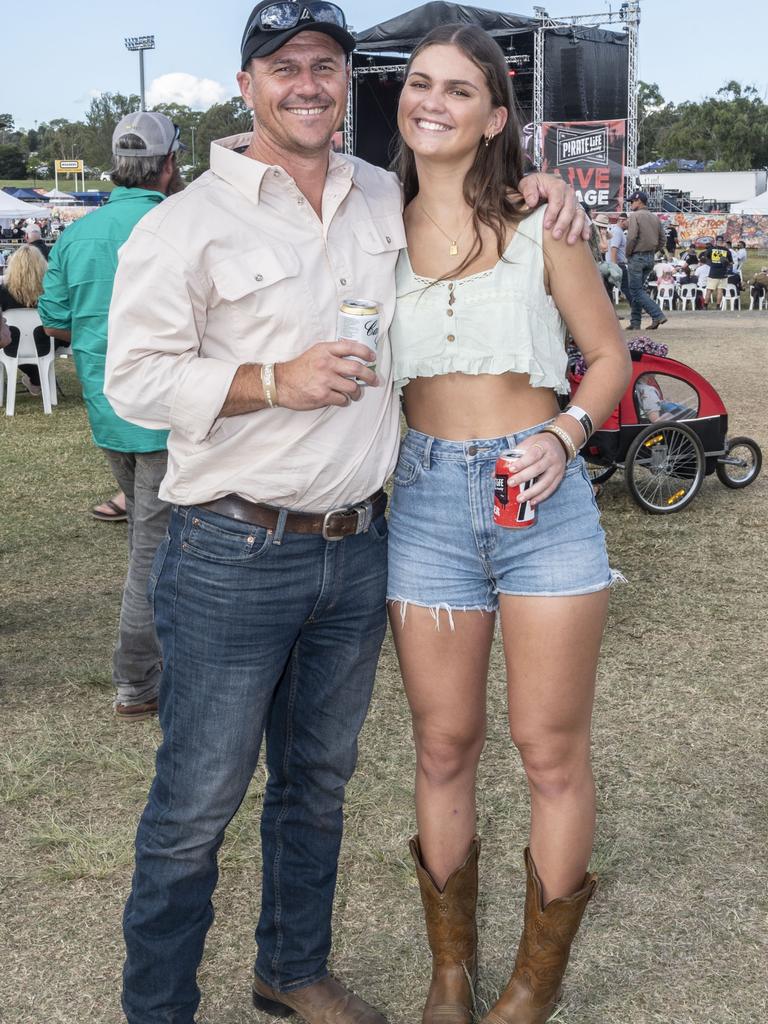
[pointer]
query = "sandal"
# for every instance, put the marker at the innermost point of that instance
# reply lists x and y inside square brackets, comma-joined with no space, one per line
[115,513]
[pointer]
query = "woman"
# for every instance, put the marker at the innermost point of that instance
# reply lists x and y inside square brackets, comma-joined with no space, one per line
[478,349]
[21,288]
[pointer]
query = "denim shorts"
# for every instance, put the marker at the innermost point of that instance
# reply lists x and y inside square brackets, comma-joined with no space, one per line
[446,552]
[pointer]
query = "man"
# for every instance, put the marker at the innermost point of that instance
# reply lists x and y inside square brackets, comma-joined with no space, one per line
[719,259]
[758,286]
[739,257]
[34,236]
[645,236]
[617,251]
[75,305]
[269,591]
[671,239]
[691,256]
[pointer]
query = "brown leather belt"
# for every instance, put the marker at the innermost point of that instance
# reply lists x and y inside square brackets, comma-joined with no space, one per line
[333,525]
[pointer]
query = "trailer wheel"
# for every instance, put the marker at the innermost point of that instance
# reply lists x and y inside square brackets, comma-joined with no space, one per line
[741,464]
[598,473]
[664,468]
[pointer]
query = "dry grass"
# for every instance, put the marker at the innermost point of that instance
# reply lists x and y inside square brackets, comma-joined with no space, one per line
[678,932]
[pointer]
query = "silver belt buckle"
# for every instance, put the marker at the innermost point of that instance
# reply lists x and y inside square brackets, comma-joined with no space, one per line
[363,511]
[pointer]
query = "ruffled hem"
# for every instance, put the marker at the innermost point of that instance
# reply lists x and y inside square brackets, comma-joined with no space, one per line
[538,377]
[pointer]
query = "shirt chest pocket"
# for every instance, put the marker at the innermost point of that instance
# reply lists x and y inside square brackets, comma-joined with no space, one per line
[379,235]
[259,285]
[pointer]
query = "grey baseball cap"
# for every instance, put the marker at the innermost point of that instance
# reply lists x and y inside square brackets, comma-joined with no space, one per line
[158,133]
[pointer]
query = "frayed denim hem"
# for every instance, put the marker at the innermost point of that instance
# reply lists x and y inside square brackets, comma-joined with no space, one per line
[435,609]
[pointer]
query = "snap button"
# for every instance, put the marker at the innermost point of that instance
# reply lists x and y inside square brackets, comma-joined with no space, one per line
[342,280]
[472,450]
[451,337]
[259,277]
[449,312]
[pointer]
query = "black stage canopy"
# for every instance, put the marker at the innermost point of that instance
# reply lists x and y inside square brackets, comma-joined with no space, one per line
[406,30]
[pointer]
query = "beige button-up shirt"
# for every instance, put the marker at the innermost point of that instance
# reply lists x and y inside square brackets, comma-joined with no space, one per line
[237,269]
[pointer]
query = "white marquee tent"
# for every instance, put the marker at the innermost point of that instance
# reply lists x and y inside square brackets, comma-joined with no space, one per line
[11,209]
[758,204]
[60,197]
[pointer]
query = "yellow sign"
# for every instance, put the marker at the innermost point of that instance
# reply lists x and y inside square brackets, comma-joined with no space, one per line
[68,166]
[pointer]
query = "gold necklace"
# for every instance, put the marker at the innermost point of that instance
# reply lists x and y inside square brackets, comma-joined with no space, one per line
[453,248]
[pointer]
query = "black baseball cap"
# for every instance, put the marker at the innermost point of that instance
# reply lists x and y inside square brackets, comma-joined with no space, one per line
[639,194]
[264,32]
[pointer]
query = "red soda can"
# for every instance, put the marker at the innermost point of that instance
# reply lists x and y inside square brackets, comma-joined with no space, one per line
[507,510]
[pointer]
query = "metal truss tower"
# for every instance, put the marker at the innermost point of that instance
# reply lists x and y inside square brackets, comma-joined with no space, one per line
[628,15]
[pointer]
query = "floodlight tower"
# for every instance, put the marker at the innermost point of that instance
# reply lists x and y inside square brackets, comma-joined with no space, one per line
[140,43]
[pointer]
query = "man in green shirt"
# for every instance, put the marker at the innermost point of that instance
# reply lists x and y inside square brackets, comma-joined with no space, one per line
[74,307]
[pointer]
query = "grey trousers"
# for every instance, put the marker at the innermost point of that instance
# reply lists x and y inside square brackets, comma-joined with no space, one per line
[137,661]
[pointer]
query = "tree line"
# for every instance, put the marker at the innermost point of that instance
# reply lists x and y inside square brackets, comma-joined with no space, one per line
[728,131]
[24,153]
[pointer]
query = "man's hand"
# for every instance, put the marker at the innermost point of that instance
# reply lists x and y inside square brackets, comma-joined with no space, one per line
[563,212]
[324,375]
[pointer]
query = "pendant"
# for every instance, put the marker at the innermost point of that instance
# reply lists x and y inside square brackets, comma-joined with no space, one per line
[454,249]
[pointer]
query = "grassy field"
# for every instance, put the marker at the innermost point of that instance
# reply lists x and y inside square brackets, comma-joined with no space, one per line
[677,932]
[65,184]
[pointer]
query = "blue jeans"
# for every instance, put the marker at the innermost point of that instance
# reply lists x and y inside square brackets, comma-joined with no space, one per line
[638,268]
[263,634]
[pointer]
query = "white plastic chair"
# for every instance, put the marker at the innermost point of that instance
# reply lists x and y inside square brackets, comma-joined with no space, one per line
[730,295]
[688,294]
[666,293]
[762,302]
[27,320]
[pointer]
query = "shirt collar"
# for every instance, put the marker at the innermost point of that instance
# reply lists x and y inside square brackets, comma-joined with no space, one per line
[120,193]
[247,175]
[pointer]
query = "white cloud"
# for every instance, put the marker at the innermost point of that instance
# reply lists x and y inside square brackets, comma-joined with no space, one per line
[179,87]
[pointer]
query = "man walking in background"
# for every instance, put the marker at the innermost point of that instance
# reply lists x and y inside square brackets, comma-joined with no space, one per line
[645,237]
[75,307]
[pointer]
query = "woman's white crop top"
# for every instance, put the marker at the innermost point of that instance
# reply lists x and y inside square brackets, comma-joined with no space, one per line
[498,321]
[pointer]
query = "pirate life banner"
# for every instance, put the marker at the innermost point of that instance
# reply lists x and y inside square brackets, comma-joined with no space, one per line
[590,155]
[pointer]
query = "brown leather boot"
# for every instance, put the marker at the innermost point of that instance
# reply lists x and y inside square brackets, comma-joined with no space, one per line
[325,1002]
[545,945]
[452,935]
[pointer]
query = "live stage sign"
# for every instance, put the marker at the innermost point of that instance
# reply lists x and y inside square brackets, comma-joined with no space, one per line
[590,156]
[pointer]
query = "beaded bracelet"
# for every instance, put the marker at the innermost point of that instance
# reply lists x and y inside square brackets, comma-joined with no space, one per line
[564,438]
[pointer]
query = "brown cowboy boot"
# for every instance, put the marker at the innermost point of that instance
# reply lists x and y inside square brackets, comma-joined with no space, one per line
[325,1002]
[452,936]
[545,945]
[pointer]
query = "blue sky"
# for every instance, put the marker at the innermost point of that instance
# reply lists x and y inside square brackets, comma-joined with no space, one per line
[689,48]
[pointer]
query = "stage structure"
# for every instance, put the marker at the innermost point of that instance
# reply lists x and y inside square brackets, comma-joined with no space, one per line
[565,69]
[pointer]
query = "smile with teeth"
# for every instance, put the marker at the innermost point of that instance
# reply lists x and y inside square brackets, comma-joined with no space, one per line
[307,111]
[432,126]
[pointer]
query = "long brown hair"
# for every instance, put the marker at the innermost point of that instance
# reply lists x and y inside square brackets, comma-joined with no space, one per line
[498,167]
[24,275]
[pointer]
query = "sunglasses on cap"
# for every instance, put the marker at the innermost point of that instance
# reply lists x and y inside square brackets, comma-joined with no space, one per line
[174,140]
[280,17]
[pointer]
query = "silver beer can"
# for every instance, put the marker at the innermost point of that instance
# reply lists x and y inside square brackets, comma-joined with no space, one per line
[358,320]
